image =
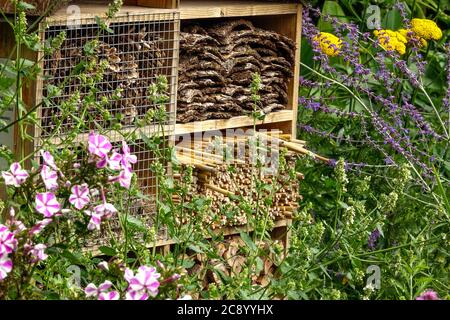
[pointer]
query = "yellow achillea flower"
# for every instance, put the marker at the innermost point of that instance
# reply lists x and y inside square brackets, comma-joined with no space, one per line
[391,40]
[329,43]
[426,29]
[410,35]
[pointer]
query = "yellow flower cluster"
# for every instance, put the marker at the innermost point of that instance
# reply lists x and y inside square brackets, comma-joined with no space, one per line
[329,43]
[410,35]
[426,29]
[391,40]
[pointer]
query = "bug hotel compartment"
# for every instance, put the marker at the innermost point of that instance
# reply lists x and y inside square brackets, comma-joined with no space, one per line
[217,62]
[136,50]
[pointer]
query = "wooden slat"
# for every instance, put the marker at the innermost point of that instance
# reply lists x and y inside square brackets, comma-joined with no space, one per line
[194,9]
[235,122]
[167,4]
[91,10]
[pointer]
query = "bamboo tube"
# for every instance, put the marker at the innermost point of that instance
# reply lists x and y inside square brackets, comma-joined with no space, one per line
[201,166]
[198,152]
[217,189]
[298,149]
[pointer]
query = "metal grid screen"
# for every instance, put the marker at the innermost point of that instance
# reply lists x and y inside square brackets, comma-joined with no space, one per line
[139,49]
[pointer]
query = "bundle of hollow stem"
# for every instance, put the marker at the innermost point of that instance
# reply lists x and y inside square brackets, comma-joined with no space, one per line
[248,176]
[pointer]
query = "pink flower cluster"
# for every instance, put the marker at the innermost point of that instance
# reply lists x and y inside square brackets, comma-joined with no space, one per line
[428,295]
[99,147]
[9,243]
[143,284]
[15,176]
[101,292]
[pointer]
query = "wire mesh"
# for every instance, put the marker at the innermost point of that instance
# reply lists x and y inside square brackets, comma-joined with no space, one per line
[138,50]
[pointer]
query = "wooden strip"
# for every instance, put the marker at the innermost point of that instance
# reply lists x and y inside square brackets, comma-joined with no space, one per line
[190,9]
[235,122]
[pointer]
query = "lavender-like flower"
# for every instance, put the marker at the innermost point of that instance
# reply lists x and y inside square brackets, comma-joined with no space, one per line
[373,238]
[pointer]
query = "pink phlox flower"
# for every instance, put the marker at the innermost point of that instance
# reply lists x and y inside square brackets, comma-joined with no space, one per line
[80,196]
[95,221]
[15,225]
[99,145]
[105,209]
[124,178]
[136,295]
[115,160]
[15,176]
[47,204]
[428,295]
[127,157]
[38,253]
[145,280]
[38,227]
[49,160]
[102,163]
[8,243]
[49,177]
[103,266]
[6,266]
[91,289]
[112,295]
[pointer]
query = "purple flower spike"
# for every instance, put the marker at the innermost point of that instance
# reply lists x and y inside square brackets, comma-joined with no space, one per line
[373,238]
[15,176]
[47,204]
[99,145]
[6,266]
[80,196]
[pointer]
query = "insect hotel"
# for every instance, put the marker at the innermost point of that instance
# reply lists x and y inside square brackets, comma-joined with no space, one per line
[209,52]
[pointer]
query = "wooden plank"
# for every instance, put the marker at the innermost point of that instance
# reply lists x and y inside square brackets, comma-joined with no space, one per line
[194,9]
[289,26]
[235,122]
[167,4]
[298,41]
[88,11]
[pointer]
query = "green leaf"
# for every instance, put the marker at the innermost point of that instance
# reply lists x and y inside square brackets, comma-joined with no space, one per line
[6,83]
[23,6]
[188,263]
[136,223]
[248,241]
[196,249]
[392,20]
[71,257]
[107,251]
